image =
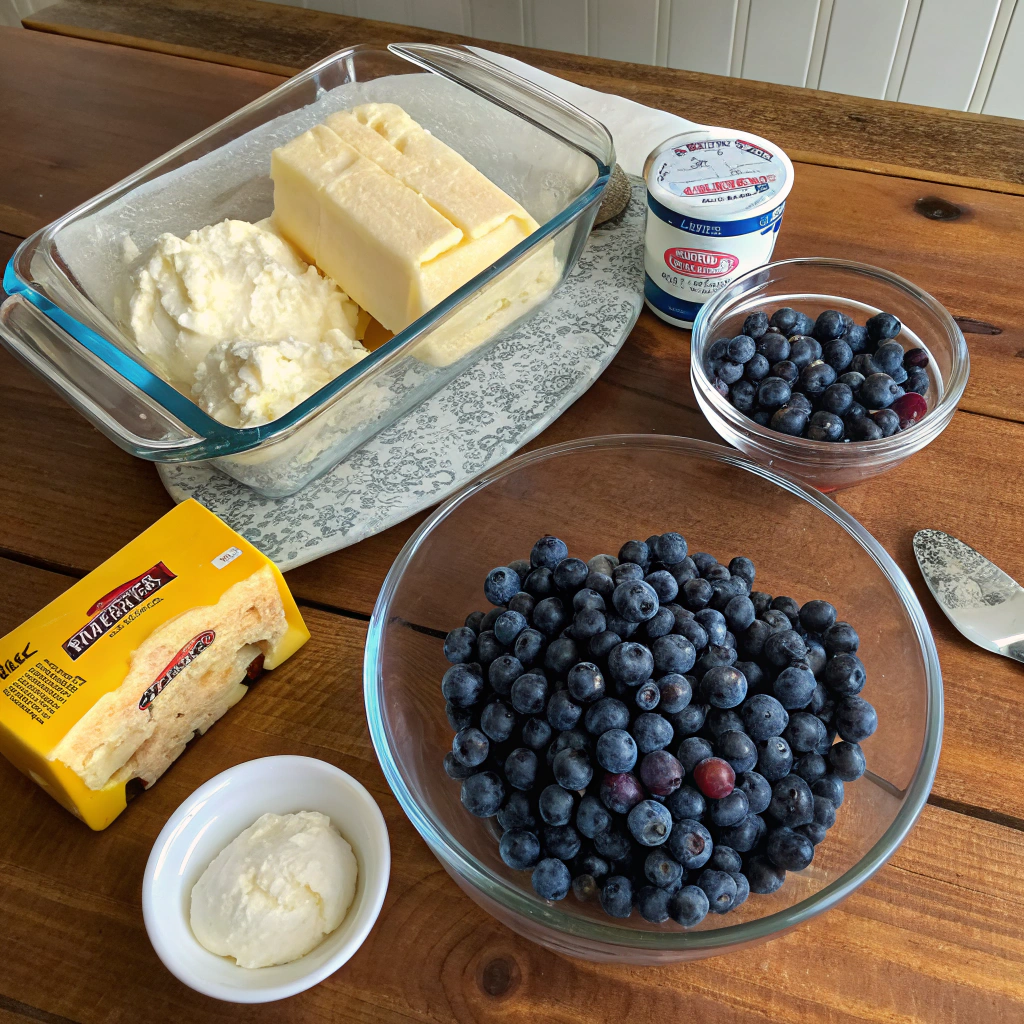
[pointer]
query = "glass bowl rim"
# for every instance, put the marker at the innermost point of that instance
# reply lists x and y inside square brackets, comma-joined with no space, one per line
[454,856]
[825,452]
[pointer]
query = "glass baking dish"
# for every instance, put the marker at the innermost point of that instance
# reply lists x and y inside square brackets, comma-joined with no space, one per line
[68,283]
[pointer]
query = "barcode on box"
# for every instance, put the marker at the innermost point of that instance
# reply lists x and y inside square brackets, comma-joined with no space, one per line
[226,557]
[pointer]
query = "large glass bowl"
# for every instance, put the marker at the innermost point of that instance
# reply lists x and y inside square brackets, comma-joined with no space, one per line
[595,494]
[812,285]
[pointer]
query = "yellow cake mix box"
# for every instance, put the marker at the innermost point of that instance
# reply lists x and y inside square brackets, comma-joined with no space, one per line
[108,683]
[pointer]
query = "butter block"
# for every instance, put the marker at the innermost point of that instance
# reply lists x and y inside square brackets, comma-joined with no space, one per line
[109,683]
[402,223]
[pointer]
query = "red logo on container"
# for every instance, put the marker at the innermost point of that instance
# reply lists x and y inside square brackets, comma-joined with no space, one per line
[701,262]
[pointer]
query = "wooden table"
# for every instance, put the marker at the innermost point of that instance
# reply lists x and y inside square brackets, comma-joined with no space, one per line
[936,936]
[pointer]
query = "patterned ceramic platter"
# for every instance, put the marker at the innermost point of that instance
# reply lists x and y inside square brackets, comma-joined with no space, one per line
[518,388]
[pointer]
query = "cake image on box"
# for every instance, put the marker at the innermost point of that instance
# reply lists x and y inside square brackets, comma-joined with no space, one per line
[110,682]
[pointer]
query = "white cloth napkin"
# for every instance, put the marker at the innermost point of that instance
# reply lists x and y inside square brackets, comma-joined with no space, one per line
[635,129]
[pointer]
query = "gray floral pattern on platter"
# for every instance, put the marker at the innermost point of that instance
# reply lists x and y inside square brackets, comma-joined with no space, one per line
[524,383]
[959,576]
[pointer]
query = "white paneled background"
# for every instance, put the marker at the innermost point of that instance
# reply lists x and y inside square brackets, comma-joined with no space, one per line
[958,54]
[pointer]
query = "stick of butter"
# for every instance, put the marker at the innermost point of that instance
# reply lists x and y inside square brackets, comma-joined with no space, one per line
[397,218]
[109,682]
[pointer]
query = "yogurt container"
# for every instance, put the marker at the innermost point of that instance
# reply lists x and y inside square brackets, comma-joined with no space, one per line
[715,199]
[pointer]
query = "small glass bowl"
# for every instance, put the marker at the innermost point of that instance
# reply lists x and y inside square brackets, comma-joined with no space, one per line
[595,494]
[811,285]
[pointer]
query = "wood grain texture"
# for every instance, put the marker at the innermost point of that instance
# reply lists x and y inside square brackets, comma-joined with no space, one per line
[937,936]
[817,127]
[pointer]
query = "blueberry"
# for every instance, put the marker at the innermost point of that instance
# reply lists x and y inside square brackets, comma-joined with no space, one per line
[616,751]
[739,613]
[755,324]
[792,802]
[648,696]
[560,656]
[519,849]
[693,631]
[810,768]
[683,571]
[745,835]
[630,663]
[617,896]
[714,624]
[816,656]
[503,672]
[613,845]
[507,626]
[523,603]
[738,749]
[831,787]
[537,733]
[803,325]
[516,812]
[570,574]
[756,369]
[454,768]
[837,398]
[855,719]
[674,692]
[816,377]
[844,674]
[784,647]
[846,760]
[626,571]
[757,790]
[724,687]
[787,370]
[720,889]
[555,805]
[784,320]
[592,817]
[853,380]
[528,647]
[741,348]
[764,717]
[673,655]
[497,721]
[474,621]
[649,823]
[686,802]
[663,584]
[561,712]
[696,594]
[663,871]
[765,878]
[772,393]
[548,552]
[794,686]
[804,733]
[879,391]
[840,638]
[773,346]
[690,843]
[661,773]
[470,747]
[482,794]
[752,639]
[883,326]
[918,381]
[774,758]
[551,879]
[463,685]
[862,428]
[829,325]
[730,810]
[549,616]
[837,354]
[690,720]
[572,769]
[813,831]
[825,426]
[635,551]
[888,357]
[561,841]
[789,850]
[817,616]
[601,646]
[540,583]
[803,351]
[688,907]
[635,600]
[598,584]
[651,732]
[824,812]
[778,621]
[460,645]
[521,768]
[652,903]
[458,718]
[586,683]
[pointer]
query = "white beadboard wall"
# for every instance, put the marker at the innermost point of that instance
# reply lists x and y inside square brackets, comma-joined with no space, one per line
[957,54]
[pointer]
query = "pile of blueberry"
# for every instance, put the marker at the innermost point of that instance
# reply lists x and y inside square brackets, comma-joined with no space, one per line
[651,731]
[828,379]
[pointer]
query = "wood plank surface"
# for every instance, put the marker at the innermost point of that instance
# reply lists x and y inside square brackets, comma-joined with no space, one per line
[936,936]
[812,126]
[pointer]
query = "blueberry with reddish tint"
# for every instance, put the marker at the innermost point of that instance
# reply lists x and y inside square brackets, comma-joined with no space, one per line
[651,732]
[764,717]
[521,768]
[689,906]
[454,768]
[789,850]
[482,794]
[617,896]
[855,719]
[756,369]
[548,552]
[630,663]
[572,769]
[789,420]
[613,845]
[648,696]
[714,777]
[883,326]
[879,391]
[773,346]
[787,370]
[755,324]
[649,823]
[616,751]
[825,426]
[910,408]
[840,638]
[738,749]
[831,787]
[463,685]
[803,351]
[847,761]
[519,849]
[592,817]
[661,773]
[730,810]
[772,393]
[784,320]
[774,758]
[551,879]
[619,791]
[690,844]
[844,674]
[804,733]
[540,583]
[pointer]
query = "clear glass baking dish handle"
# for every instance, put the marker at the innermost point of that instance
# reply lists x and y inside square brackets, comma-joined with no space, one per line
[541,108]
[117,408]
